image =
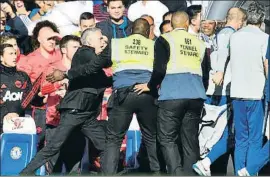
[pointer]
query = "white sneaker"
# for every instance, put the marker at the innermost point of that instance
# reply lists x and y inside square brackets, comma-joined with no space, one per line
[243,172]
[199,168]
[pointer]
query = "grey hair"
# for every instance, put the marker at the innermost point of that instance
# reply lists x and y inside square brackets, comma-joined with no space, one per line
[86,34]
[256,14]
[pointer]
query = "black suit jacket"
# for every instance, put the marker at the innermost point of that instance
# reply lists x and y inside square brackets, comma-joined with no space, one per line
[87,80]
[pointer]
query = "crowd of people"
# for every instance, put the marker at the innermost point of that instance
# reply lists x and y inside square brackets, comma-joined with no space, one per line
[198,90]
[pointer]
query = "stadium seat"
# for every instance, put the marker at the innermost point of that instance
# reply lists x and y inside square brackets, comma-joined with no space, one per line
[18,146]
[132,149]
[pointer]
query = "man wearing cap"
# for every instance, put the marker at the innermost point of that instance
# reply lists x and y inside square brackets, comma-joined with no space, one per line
[45,33]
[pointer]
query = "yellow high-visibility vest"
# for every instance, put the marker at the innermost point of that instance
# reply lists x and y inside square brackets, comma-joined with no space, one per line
[133,52]
[78,34]
[185,52]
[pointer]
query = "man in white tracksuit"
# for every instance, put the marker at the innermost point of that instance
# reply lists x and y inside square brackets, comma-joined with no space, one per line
[249,69]
[219,91]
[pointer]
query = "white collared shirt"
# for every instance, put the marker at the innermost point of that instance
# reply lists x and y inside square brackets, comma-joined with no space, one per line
[155,9]
[66,16]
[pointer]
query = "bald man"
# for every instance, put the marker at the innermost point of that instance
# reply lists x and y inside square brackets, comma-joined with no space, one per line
[218,94]
[177,70]
[132,59]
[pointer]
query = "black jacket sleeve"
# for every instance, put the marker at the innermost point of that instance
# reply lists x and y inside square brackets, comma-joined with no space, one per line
[94,65]
[162,55]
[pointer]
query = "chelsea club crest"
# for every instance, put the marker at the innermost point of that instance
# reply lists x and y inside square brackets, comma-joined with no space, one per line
[16,153]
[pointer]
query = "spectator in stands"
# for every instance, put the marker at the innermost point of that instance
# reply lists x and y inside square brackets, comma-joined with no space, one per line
[10,39]
[167,16]
[11,23]
[22,9]
[165,27]
[151,22]
[194,13]
[154,8]
[207,34]
[117,25]
[208,27]
[44,7]
[175,5]
[45,34]
[87,20]
[65,15]
[101,11]
[14,85]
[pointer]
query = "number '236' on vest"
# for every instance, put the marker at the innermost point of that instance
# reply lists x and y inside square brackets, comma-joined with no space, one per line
[183,79]
[132,59]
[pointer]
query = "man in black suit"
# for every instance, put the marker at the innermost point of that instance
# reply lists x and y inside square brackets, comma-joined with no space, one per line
[79,107]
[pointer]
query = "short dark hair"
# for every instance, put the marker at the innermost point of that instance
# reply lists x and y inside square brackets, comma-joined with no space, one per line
[2,48]
[165,22]
[41,25]
[193,11]
[86,16]
[68,38]
[7,37]
[166,14]
[141,26]
[109,1]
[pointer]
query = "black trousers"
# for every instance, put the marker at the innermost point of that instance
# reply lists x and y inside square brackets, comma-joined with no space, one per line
[120,117]
[71,152]
[39,116]
[71,119]
[179,115]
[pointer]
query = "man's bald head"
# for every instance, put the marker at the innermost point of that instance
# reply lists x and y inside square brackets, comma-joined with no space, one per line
[141,26]
[180,19]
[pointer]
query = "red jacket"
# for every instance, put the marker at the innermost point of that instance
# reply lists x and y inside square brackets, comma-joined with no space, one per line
[52,115]
[103,113]
[34,64]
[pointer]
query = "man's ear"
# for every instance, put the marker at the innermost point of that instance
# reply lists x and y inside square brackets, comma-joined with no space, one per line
[39,39]
[193,21]
[63,50]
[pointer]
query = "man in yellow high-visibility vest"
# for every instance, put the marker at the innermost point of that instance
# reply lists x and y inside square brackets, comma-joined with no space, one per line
[132,59]
[177,69]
